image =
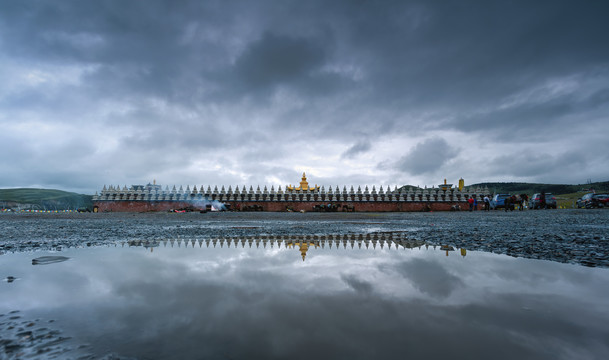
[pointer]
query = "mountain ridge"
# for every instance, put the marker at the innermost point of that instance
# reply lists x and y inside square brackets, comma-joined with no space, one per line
[43,199]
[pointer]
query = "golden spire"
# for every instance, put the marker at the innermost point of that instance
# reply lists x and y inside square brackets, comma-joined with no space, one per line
[304,185]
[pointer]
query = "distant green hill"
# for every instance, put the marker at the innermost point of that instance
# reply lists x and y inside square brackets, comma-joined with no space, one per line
[409,187]
[43,199]
[531,188]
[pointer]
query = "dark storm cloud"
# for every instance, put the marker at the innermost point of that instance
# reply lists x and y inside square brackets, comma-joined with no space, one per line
[462,52]
[537,163]
[356,149]
[277,64]
[537,118]
[201,137]
[468,52]
[140,47]
[154,74]
[274,60]
[426,157]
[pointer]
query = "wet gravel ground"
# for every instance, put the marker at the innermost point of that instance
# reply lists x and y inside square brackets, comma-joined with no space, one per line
[23,338]
[579,236]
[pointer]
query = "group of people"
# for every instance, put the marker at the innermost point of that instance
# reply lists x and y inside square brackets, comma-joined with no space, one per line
[509,203]
[473,203]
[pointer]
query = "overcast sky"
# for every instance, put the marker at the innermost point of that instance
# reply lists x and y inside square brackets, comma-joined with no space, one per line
[256,92]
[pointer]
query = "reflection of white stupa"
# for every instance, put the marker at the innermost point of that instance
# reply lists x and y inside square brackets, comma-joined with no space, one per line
[445,186]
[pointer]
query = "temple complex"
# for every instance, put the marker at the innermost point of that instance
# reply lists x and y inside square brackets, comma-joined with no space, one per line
[153,197]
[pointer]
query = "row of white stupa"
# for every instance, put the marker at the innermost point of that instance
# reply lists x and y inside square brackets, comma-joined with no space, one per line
[156,193]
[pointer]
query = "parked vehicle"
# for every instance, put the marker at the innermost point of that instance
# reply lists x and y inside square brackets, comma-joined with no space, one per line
[535,201]
[586,201]
[579,203]
[498,201]
[602,200]
[592,200]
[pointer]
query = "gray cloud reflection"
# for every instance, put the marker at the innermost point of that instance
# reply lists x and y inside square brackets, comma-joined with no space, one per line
[429,277]
[265,303]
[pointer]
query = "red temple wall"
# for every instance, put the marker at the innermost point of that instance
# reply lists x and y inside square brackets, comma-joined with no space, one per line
[279,206]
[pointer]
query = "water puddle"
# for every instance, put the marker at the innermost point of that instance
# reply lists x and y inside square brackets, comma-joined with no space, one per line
[361,295]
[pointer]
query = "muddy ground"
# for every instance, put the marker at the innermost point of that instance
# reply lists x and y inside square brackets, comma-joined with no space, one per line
[578,236]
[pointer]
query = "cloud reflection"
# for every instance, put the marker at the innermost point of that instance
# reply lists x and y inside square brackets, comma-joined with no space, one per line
[265,303]
[429,277]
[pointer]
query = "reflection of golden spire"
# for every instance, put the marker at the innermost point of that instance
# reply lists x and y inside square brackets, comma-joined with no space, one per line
[447,248]
[463,252]
[304,247]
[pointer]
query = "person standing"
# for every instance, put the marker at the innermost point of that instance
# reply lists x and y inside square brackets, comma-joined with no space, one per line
[542,200]
[470,201]
[487,203]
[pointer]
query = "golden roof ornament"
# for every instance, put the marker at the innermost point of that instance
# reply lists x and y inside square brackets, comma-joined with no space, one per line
[445,186]
[304,185]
